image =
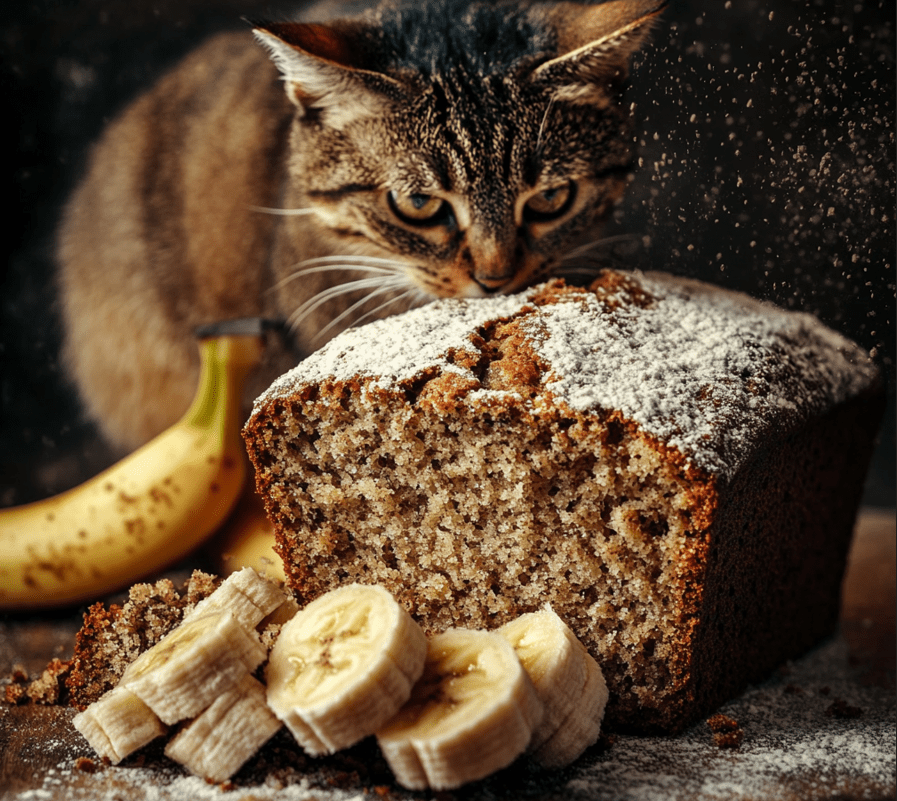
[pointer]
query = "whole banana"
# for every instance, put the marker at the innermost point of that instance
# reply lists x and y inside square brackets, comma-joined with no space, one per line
[148,510]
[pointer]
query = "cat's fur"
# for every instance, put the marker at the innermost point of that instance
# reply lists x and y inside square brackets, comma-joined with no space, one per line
[466,111]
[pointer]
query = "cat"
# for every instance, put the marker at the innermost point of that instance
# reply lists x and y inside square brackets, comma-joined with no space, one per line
[326,173]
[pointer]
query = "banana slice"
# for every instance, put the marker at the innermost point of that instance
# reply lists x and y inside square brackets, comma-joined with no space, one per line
[582,725]
[283,614]
[191,666]
[117,724]
[343,666]
[568,681]
[246,595]
[472,713]
[217,744]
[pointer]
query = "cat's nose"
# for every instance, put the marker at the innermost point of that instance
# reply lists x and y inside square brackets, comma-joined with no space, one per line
[495,270]
[491,259]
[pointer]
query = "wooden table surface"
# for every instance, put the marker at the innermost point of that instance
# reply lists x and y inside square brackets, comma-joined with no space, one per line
[797,744]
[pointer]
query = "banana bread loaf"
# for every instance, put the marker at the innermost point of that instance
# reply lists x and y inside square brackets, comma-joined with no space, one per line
[674,467]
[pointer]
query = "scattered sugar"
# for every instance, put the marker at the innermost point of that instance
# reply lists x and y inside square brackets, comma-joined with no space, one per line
[707,370]
[792,749]
[160,783]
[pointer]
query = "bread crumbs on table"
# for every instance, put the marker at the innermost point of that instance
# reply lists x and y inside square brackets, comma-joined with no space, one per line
[86,765]
[842,710]
[726,731]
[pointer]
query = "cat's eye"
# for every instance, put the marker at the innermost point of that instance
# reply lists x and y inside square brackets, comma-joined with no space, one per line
[549,204]
[418,208]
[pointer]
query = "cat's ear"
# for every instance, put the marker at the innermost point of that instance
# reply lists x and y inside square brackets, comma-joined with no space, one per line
[323,67]
[595,43]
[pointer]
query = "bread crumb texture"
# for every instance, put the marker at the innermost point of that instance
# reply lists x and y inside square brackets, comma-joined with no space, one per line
[111,638]
[644,455]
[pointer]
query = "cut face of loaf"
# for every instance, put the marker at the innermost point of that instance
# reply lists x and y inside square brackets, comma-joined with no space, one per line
[468,467]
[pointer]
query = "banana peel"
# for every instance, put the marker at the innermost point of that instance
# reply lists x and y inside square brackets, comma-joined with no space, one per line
[148,510]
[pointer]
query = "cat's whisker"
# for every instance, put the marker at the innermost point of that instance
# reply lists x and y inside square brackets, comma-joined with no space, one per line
[343,267]
[313,302]
[372,312]
[358,258]
[334,268]
[282,212]
[423,298]
[339,318]
[542,124]
[300,314]
[349,263]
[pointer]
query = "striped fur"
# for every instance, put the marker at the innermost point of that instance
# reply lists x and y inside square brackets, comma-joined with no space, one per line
[341,171]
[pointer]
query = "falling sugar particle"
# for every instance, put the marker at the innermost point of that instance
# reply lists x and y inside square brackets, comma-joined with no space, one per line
[791,170]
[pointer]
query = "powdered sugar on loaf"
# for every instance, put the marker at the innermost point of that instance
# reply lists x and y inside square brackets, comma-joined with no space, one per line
[691,364]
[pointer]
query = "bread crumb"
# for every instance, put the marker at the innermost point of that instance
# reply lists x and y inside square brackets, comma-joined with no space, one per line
[842,710]
[86,765]
[14,693]
[721,723]
[49,688]
[112,638]
[728,739]
[726,732]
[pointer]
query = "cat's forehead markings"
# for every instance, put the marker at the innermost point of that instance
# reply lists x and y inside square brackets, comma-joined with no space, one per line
[416,176]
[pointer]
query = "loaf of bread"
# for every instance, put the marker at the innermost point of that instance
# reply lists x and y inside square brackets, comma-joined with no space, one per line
[675,468]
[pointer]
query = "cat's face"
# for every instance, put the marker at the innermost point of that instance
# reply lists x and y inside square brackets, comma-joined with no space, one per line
[475,173]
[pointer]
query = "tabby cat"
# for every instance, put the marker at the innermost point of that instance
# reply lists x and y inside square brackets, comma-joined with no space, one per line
[445,148]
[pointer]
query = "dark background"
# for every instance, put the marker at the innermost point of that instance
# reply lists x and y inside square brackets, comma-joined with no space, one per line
[767,144]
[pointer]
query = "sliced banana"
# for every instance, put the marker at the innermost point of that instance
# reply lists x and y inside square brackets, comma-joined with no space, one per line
[582,726]
[472,713]
[192,665]
[350,664]
[283,614]
[117,724]
[248,596]
[555,666]
[343,666]
[568,681]
[217,744]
